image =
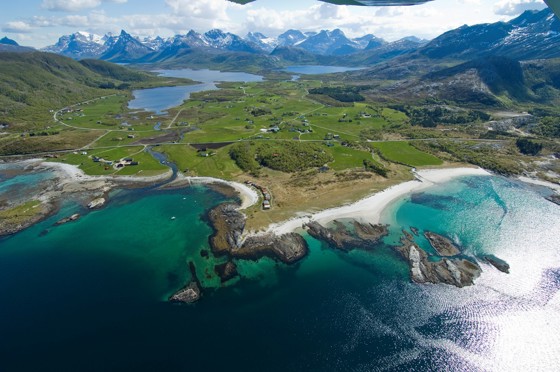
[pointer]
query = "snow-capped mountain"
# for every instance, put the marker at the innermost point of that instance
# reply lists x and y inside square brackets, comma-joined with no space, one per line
[265,43]
[329,43]
[532,35]
[126,48]
[79,45]
[291,38]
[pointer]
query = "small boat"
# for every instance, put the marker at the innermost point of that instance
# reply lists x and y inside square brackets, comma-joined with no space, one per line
[173,217]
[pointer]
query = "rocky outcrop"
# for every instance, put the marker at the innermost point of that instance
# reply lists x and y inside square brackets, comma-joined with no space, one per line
[498,263]
[288,248]
[442,245]
[355,235]
[191,292]
[228,224]
[457,271]
[555,198]
[73,217]
[96,203]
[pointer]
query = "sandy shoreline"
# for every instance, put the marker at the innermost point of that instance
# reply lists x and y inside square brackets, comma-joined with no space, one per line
[247,195]
[538,182]
[70,173]
[369,209]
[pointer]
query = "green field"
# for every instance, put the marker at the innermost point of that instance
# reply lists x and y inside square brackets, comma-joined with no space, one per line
[403,153]
[218,164]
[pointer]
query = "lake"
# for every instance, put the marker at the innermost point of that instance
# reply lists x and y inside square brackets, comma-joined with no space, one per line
[161,99]
[313,70]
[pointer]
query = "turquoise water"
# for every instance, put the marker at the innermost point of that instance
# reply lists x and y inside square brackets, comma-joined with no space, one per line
[161,99]
[90,295]
[16,184]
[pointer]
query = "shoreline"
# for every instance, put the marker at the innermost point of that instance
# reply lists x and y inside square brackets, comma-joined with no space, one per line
[248,196]
[369,209]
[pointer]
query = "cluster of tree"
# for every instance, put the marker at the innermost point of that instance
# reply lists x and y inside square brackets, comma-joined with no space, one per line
[549,126]
[430,117]
[243,153]
[485,156]
[283,156]
[342,94]
[292,156]
[375,167]
[44,133]
[112,85]
[259,111]
[528,147]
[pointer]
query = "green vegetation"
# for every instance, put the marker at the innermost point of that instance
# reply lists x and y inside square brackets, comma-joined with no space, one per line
[434,115]
[342,94]
[211,163]
[404,153]
[283,156]
[528,147]
[491,156]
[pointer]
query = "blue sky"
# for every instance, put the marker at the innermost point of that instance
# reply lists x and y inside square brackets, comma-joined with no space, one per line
[40,23]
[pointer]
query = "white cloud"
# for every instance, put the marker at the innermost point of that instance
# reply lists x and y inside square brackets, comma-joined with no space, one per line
[204,9]
[515,7]
[17,27]
[75,5]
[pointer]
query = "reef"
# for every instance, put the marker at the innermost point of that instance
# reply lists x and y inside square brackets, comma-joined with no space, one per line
[458,270]
[354,235]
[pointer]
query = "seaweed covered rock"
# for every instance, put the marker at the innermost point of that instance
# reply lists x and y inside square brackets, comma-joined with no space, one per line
[348,236]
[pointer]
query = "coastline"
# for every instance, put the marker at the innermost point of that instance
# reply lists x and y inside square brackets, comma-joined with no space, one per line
[369,208]
[248,196]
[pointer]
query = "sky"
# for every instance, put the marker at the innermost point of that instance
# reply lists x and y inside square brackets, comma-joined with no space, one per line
[39,23]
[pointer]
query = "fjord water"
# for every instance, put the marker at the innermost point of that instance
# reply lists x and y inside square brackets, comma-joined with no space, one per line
[160,99]
[317,69]
[90,295]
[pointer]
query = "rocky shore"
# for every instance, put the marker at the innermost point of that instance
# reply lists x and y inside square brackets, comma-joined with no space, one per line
[449,265]
[354,235]
[229,224]
[458,271]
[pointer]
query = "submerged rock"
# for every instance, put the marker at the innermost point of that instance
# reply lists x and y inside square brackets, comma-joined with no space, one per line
[226,271]
[362,236]
[443,246]
[73,217]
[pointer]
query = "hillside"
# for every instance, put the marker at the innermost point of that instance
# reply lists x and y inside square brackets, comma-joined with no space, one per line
[33,83]
[532,35]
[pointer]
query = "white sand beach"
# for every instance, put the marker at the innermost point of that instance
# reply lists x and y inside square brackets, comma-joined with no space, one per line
[369,209]
[538,182]
[248,195]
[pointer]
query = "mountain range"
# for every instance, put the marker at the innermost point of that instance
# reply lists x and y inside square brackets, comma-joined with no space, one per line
[532,35]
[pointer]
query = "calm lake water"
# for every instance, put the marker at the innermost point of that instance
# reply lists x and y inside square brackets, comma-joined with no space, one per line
[90,295]
[310,70]
[161,99]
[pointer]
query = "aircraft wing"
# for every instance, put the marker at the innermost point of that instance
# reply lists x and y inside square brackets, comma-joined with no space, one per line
[554,5]
[359,2]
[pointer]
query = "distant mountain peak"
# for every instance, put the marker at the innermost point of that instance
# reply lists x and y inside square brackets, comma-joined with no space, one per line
[7,41]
